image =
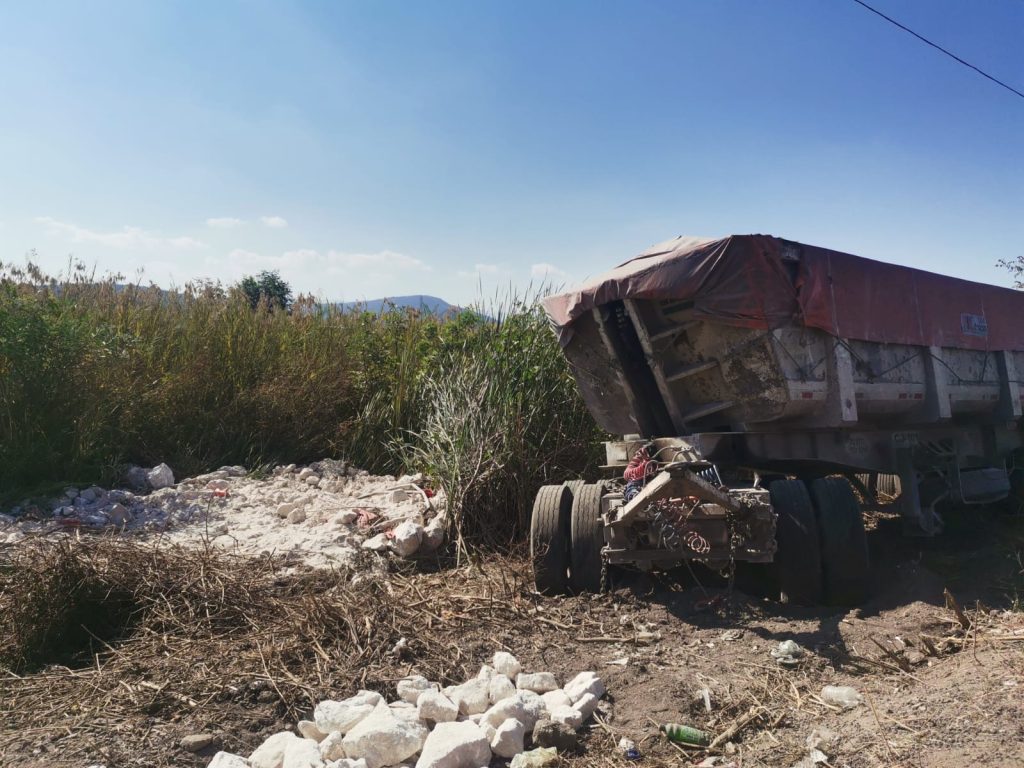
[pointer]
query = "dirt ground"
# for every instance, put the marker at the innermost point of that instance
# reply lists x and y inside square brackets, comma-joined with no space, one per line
[939,689]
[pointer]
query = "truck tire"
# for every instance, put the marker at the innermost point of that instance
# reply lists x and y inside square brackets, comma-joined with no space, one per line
[798,557]
[549,539]
[574,486]
[888,486]
[587,536]
[845,564]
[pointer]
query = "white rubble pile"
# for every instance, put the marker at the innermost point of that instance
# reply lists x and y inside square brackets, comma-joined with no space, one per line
[320,515]
[433,727]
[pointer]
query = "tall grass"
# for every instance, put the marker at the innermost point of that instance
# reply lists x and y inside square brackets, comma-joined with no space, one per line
[95,375]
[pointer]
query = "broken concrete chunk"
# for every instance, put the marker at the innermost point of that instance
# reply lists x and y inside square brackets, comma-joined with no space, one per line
[500,687]
[344,715]
[538,682]
[410,688]
[455,745]
[331,747]
[228,760]
[471,697]
[436,707]
[270,754]
[584,682]
[506,664]
[308,730]
[383,739]
[508,738]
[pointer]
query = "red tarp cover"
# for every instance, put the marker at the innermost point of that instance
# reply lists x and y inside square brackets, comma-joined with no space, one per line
[759,281]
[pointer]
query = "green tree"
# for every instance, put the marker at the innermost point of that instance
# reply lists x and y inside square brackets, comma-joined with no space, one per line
[266,287]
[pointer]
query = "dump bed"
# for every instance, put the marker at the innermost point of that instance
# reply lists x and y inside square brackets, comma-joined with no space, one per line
[754,333]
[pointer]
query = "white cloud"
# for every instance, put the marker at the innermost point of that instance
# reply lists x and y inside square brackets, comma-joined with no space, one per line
[125,239]
[316,264]
[224,222]
[480,270]
[275,222]
[382,261]
[549,272]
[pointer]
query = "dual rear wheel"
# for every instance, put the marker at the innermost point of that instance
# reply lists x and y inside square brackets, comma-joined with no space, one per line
[566,537]
[822,554]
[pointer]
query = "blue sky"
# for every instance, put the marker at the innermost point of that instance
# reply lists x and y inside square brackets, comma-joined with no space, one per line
[382,148]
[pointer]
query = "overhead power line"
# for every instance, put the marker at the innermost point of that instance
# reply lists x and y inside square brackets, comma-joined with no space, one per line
[938,47]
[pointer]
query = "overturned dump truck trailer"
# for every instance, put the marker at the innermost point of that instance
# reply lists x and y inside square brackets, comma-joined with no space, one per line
[799,365]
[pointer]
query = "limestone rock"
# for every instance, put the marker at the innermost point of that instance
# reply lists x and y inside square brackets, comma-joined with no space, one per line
[506,664]
[583,683]
[297,515]
[308,730]
[302,753]
[471,697]
[228,760]
[433,534]
[500,687]
[403,710]
[486,672]
[586,705]
[331,747]
[159,477]
[410,688]
[508,738]
[556,698]
[568,716]
[344,715]
[520,707]
[435,706]
[455,745]
[270,754]
[538,682]
[383,739]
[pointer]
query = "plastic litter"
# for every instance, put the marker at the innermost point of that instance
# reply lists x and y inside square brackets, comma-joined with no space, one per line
[788,653]
[629,750]
[685,734]
[844,696]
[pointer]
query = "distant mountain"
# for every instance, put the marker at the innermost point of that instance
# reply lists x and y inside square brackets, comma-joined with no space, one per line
[431,304]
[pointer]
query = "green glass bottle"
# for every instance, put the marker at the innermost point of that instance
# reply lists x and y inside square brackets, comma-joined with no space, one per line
[684,734]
